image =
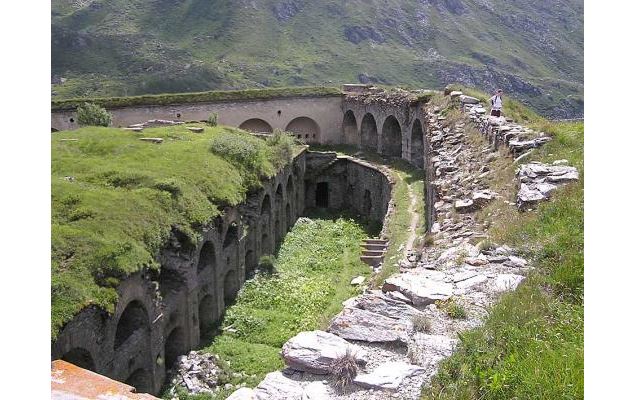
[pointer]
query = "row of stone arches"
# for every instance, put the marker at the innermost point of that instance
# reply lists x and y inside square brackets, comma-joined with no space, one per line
[391,134]
[303,128]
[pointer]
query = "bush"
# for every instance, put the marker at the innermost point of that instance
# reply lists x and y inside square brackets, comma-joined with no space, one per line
[452,309]
[89,114]
[421,323]
[241,149]
[267,264]
[282,144]
[212,120]
[344,369]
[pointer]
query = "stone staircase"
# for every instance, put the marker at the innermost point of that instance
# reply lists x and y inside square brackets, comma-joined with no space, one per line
[374,251]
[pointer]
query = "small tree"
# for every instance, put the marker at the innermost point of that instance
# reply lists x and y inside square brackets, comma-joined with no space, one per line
[212,120]
[89,114]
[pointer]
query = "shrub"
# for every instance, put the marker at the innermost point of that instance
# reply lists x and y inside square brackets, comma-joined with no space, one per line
[212,120]
[241,150]
[421,323]
[344,369]
[453,309]
[282,144]
[267,264]
[93,115]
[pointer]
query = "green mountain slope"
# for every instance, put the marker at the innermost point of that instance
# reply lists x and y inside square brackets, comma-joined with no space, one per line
[533,49]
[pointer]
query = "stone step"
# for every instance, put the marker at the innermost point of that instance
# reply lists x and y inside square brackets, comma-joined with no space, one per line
[373,261]
[376,241]
[373,253]
[369,246]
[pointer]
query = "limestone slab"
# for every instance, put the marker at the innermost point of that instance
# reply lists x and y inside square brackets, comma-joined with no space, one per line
[357,324]
[388,375]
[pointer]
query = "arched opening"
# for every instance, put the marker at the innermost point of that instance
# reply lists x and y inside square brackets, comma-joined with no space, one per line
[391,137]
[231,237]
[230,287]
[278,231]
[289,219]
[279,208]
[207,257]
[306,127]
[256,125]
[250,263]
[416,144]
[369,133]
[322,195]
[80,357]
[265,206]
[207,314]
[170,282]
[368,203]
[133,319]
[141,380]
[349,128]
[265,247]
[174,346]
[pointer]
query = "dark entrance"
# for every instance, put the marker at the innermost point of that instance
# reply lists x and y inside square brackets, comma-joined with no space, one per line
[322,195]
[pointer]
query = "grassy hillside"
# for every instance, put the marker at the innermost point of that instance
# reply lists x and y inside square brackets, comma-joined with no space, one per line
[532,344]
[115,200]
[533,49]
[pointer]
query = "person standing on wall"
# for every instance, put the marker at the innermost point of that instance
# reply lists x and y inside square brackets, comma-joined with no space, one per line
[497,103]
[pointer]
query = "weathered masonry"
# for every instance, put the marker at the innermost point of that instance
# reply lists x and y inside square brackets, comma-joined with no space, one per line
[351,116]
[160,316]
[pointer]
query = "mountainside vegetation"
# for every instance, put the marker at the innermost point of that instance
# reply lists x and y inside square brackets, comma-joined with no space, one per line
[531,49]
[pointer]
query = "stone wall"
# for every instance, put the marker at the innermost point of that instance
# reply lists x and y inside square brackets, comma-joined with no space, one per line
[160,315]
[317,119]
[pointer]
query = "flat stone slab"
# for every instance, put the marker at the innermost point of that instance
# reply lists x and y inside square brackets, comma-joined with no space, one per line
[276,386]
[419,289]
[468,99]
[357,324]
[507,282]
[195,129]
[440,345]
[472,281]
[388,375]
[315,351]
[379,303]
[152,139]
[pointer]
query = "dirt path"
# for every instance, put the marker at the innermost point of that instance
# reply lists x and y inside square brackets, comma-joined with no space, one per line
[414,220]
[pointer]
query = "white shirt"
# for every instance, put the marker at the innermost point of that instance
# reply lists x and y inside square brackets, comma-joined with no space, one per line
[497,102]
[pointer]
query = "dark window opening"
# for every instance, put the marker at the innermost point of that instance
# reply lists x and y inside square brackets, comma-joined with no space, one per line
[279,112]
[174,346]
[207,258]
[231,237]
[322,195]
[178,115]
[72,120]
[132,319]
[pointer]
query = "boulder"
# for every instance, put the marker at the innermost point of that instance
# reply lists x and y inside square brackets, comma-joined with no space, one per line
[506,282]
[276,386]
[316,391]
[419,289]
[464,205]
[242,394]
[388,375]
[357,324]
[316,351]
[468,99]
[358,281]
[455,94]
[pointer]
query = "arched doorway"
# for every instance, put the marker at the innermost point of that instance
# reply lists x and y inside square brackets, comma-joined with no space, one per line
[369,133]
[416,144]
[207,257]
[174,346]
[322,195]
[349,128]
[391,137]
[207,314]
[256,125]
[305,128]
[230,286]
[140,380]
[80,357]
[133,319]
